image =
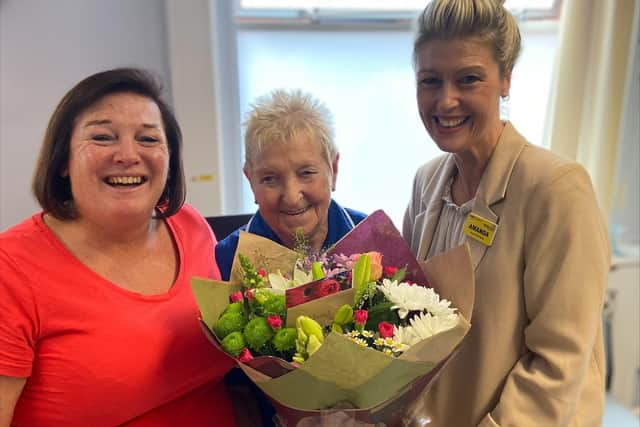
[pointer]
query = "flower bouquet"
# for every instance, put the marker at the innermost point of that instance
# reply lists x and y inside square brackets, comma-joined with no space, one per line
[352,332]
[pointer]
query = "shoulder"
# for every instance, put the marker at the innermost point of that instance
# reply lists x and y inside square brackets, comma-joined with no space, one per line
[229,243]
[28,236]
[427,171]
[188,220]
[356,216]
[539,168]
[188,215]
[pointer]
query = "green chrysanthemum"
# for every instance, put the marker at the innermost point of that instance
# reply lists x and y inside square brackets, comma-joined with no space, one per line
[257,333]
[234,307]
[285,340]
[228,323]
[276,305]
[234,343]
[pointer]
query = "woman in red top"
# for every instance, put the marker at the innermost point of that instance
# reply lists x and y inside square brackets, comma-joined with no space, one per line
[98,325]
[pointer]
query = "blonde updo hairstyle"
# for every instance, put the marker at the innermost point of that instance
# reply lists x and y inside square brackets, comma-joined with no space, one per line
[283,116]
[486,20]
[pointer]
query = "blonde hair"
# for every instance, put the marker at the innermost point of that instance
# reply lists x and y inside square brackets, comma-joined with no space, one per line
[486,20]
[283,116]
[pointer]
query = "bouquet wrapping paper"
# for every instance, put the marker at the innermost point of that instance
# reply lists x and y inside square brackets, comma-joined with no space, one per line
[344,379]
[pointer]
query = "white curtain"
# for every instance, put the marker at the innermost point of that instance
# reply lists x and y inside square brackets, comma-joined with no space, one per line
[592,71]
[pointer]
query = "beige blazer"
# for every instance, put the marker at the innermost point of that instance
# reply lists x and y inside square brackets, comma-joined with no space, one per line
[534,354]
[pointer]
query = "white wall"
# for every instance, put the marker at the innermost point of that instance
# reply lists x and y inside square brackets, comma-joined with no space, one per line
[45,48]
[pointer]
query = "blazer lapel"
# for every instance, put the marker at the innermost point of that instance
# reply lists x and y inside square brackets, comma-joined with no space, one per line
[494,183]
[432,198]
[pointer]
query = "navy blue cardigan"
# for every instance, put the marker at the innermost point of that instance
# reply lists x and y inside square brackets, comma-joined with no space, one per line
[341,221]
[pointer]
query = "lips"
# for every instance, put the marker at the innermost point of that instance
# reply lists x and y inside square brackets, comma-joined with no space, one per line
[125,180]
[295,212]
[450,123]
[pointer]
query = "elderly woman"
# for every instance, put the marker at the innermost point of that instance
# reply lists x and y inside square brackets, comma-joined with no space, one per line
[291,162]
[98,325]
[534,354]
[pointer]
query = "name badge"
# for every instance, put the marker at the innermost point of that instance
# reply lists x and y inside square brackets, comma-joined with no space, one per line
[480,229]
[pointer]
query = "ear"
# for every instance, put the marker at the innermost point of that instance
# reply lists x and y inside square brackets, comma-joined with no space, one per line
[247,173]
[506,85]
[334,167]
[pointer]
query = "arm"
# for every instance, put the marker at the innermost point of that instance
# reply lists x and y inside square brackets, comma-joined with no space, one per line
[566,266]
[10,390]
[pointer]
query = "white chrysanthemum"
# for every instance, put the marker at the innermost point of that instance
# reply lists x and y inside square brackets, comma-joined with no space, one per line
[361,342]
[406,298]
[403,337]
[425,325]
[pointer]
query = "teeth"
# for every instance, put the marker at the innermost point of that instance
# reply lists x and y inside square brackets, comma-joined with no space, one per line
[298,212]
[450,123]
[125,180]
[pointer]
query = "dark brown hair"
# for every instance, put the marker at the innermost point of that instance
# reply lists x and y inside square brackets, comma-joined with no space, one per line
[52,190]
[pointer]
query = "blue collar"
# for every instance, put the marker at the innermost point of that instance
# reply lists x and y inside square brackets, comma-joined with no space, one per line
[340,223]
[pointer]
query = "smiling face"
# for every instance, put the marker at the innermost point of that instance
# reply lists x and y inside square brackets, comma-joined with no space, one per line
[458,92]
[118,160]
[292,184]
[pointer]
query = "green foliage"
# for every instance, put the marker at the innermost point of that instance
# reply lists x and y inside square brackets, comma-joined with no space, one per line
[251,279]
[364,296]
[301,243]
[381,312]
[399,275]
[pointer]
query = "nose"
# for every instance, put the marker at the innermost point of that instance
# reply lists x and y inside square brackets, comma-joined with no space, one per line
[449,97]
[126,152]
[291,193]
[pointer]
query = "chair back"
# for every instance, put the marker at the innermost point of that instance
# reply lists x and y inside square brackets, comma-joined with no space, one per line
[223,225]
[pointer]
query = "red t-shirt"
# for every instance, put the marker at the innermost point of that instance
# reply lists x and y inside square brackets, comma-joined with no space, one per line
[95,354]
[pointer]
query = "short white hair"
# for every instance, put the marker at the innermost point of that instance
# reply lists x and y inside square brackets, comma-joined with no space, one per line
[283,116]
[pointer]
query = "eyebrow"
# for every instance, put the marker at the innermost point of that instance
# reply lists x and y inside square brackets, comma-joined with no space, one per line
[97,123]
[107,122]
[467,69]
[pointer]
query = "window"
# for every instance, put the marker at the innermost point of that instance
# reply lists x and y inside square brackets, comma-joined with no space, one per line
[357,60]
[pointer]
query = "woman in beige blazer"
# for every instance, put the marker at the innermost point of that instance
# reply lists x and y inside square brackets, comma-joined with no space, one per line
[534,354]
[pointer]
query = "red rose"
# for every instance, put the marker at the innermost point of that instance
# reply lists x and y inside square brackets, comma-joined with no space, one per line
[328,287]
[236,296]
[249,294]
[360,316]
[409,282]
[274,321]
[245,355]
[385,329]
[262,272]
[389,271]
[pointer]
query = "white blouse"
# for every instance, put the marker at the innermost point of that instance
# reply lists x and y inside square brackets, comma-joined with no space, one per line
[448,234]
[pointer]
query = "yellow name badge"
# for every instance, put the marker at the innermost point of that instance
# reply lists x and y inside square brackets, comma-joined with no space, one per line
[480,229]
